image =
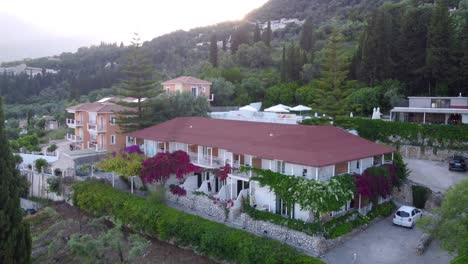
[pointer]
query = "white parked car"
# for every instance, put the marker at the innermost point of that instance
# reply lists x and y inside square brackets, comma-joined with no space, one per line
[407,216]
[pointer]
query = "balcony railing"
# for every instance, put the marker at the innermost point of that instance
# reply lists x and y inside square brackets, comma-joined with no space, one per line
[94,145]
[93,127]
[74,138]
[72,123]
[205,160]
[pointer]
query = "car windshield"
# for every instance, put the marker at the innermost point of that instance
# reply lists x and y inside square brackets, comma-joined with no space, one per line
[402,214]
[458,159]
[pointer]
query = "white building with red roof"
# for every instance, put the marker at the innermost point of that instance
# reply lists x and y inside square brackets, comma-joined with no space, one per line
[315,152]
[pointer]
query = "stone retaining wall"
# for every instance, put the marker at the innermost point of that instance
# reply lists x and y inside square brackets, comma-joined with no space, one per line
[204,206]
[316,245]
[199,203]
[404,195]
[429,153]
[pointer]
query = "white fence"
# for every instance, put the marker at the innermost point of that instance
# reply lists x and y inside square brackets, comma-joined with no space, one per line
[39,187]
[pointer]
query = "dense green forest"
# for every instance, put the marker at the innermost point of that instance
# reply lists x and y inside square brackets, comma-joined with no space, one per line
[357,54]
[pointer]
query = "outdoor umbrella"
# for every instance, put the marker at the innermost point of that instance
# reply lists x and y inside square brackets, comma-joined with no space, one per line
[300,108]
[248,108]
[284,106]
[276,109]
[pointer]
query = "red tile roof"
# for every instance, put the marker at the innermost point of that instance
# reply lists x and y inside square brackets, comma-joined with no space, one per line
[186,80]
[106,107]
[315,146]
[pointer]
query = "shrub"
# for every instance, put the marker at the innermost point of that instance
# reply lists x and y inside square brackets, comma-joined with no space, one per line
[58,172]
[341,230]
[52,148]
[420,195]
[453,137]
[384,209]
[41,163]
[54,185]
[157,219]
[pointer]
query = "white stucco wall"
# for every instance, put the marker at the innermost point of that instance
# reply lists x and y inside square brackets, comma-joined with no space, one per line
[366,163]
[325,173]
[264,199]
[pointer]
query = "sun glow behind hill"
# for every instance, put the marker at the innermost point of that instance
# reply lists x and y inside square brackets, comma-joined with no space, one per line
[116,20]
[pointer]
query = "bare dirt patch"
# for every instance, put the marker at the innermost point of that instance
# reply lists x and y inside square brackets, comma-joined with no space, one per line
[63,234]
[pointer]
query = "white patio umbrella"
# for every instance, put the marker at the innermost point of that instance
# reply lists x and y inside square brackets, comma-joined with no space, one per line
[276,109]
[284,106]
[248,108]
[300,108]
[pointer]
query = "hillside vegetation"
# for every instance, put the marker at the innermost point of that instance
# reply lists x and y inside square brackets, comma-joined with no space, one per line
[359,54]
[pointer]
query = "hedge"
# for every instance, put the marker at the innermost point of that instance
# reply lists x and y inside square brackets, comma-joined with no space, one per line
[420,195]
[444,136]
[158,220]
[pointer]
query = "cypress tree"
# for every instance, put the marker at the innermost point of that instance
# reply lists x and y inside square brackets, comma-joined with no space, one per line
[240,36]
[214,51]
[224,44]
[15,238]
[307,40]
[139,84]
[267,34]
[293,63]
[283,65]
[438,49]
[257,35]
[412,48]
[463,68]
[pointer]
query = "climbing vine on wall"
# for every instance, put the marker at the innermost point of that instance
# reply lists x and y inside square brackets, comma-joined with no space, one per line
[310,195]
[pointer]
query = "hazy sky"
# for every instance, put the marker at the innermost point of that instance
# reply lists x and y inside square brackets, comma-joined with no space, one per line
[116,20]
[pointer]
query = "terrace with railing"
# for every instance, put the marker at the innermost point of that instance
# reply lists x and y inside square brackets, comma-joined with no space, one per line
[74,138]
[209,161]
[72,123]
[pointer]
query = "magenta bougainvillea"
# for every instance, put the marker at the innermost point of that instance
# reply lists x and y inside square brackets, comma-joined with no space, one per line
[160,167]
[133,149]
[177,190]
[223,172]
[376,181]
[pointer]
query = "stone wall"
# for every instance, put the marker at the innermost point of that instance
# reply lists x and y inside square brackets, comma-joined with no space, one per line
[404,195]
[428,153]
[316,245]
[199,203]
[204,206]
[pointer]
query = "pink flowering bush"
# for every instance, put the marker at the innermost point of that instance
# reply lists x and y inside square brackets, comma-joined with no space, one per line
[134,149]
[160,167]
[224,204]
[376,181]
[177,190]
[223,172]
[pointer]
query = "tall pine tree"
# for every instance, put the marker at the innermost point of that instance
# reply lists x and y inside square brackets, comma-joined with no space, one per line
[332,89]
[214,51]
[438,57]
[15,238]
[267,34]
[139,84]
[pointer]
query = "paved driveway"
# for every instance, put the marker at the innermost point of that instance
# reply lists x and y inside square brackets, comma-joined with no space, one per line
[383,243]
[434,174]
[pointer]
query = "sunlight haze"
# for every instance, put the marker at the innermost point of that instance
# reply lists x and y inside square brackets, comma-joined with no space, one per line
[88,22]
